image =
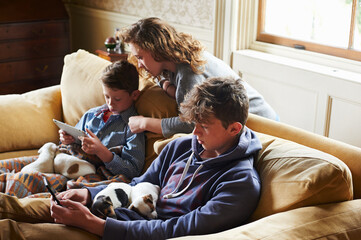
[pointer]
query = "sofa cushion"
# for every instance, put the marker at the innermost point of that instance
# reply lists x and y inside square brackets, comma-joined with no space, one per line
[295,176]
[329,221]
[81,87]
[26,119]
[155,103]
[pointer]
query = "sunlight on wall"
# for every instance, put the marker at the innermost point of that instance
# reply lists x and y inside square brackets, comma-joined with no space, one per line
[186,12]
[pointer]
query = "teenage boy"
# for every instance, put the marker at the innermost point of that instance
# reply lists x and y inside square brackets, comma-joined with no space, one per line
[208,181]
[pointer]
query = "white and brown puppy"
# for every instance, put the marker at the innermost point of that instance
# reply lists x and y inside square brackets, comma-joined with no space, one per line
[141,198]
[51,161]
[45,161]
[113,196]
[71,166]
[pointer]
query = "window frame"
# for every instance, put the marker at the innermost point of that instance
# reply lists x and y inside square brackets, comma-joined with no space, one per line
[349,53]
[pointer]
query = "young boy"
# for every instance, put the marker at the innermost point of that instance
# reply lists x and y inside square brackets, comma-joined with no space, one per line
[109,139]
[207,180]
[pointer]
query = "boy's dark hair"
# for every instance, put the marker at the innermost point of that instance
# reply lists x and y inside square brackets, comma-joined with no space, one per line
[121,75]
[222,97]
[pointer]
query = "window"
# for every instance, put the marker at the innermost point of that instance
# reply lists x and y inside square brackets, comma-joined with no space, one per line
[326,26]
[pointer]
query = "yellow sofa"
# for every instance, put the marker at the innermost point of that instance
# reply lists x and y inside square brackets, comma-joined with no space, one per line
[311,185]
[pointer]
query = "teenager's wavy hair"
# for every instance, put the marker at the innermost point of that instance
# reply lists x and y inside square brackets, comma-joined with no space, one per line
[165,43]
[121,75]
[222,97]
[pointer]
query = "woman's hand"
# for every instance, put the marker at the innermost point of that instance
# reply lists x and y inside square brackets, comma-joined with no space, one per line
[65,138]
[137,124]
[169,88]
[75,214]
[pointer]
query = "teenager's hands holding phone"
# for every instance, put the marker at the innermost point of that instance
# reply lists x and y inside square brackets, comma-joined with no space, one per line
[73,213]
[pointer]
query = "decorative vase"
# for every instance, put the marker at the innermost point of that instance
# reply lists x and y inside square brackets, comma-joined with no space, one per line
[110,44]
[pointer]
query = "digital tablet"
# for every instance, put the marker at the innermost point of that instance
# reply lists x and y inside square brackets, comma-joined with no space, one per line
[70,130]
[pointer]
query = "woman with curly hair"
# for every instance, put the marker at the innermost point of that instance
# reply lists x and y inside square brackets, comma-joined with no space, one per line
[178,62]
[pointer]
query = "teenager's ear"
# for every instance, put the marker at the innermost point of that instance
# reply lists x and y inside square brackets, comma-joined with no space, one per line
[235,128]
[135,94]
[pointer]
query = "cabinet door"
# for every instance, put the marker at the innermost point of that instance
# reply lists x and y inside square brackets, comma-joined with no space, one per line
[33,48]
[34,30]
[28,74]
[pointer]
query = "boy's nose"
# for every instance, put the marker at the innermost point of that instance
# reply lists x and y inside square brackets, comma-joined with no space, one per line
[110,102]
[196,130]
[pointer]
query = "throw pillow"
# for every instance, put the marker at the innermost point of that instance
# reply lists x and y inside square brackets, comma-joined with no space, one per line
[295,176]
[25,119]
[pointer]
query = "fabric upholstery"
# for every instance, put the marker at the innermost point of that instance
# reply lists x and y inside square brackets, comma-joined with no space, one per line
[20,153]
[294,176]
[80,84]
[154,102]
[25,119]
[347,153]
[329,221]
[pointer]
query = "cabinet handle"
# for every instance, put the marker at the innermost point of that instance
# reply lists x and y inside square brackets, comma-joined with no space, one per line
[38,69]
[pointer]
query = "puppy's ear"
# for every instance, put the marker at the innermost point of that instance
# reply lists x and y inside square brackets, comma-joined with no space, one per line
[148,198]
[41,149]
[108,200]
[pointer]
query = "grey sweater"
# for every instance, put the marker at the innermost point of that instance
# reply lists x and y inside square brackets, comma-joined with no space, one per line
[184,79]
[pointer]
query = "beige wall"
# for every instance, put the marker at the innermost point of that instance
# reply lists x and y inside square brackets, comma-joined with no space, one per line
[92,21]
[197,13]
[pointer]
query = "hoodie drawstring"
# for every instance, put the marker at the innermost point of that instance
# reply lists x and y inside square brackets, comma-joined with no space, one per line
[174,194]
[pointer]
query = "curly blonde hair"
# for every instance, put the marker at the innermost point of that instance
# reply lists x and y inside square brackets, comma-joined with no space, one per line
[165,43]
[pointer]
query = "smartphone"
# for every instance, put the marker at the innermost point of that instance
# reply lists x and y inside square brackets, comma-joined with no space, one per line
[51,190]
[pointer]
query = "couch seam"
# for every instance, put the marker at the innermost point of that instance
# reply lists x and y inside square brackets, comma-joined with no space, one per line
[285,230]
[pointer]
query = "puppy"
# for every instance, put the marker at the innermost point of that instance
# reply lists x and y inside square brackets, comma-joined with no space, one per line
[71,166]
[45,161]
[113,196]
[144,197]
[141,198]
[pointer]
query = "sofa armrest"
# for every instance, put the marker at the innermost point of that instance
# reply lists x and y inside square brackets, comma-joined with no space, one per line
[26,119]
[349,154]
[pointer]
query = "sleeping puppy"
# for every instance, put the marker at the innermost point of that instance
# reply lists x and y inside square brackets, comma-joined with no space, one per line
[144,197]
[141,198]
[113,196]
